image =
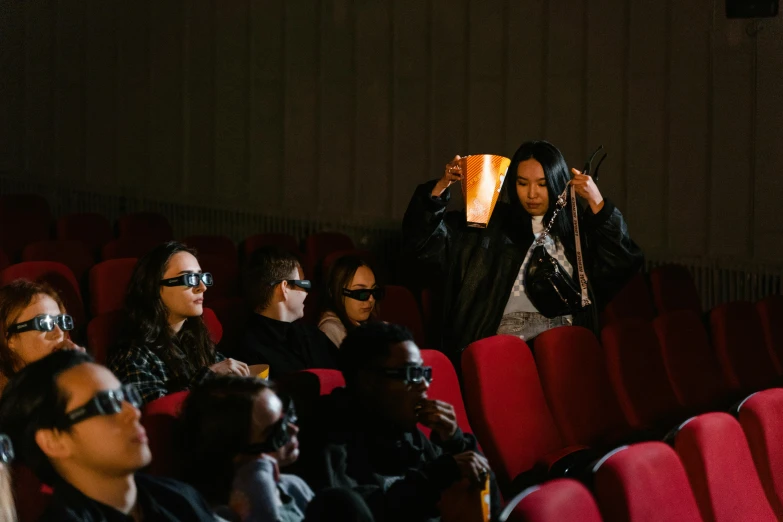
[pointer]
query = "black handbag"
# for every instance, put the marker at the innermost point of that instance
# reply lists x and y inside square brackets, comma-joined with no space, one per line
[549,287]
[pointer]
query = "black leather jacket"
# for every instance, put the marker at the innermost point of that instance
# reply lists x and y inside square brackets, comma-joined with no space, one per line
[481,264]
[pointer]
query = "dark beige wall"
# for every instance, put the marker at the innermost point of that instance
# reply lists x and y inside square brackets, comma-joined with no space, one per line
[340,107]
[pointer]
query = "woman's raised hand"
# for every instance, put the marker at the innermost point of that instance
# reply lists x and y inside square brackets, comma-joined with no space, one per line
[586,188]
[453,173]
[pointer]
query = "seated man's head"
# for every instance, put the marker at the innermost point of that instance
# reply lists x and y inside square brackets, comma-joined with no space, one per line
[382,367]
[33,324]
[275,284]
[70,417]
[227,420]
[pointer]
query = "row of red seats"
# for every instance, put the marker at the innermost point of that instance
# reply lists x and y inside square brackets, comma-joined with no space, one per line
[720,470]
[571,393]
[665,289]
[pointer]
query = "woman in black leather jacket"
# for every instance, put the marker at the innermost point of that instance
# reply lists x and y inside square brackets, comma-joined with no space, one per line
[484,290]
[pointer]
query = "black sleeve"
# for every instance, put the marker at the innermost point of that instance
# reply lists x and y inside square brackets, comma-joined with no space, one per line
[411,497]
[428,230]
[614,257]
[460,442]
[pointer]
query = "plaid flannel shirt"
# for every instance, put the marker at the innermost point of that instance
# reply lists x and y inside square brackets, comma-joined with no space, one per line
[143,368]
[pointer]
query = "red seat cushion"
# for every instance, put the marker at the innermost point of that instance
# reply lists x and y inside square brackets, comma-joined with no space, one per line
[673,288]
[632,302]
[445,387]
[400,307]
[73,254]
[159,418]
[102,333]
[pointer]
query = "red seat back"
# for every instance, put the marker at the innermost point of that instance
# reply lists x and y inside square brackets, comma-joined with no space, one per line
[131,246]
[94,230]
[577,387]
[673,288]
[109,284]
[213,245]
[770,310]
[213,325]
[738,339]
[642,483]
[761,417]
[102,333]
[445,387]
[159,418]
[73,254]
[506,405]
[232,314]
[637,373]
[145,224]
[693,369]
[320,245]
[58,276]
[632,302]
[400,307]
[720,469]
[555,501]
[306,386]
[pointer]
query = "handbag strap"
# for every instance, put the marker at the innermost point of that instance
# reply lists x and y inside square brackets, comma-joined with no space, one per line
[562,200]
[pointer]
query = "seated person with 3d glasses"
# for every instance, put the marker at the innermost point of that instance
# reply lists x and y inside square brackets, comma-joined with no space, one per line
[77,427]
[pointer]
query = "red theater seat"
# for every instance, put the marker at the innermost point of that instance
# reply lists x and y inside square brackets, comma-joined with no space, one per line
[638,374]
[94,230]
[643,483]
[738,339]
[577,387]
[73,254]
[109,283]
[673,288]
[506,405]
[102,333]
[445,387]
[226,276]
[320,245]
[58,276]
[770,310]
[145,224]
[693,368]
[159,419]
[761,417]
[400,307]
[213,325]
[720,469]
[306,386]
[632,302]
[555,501]
[232,314]
[24,219]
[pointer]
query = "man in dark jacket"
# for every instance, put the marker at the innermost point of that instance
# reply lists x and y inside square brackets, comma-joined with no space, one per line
[481,265]
[365,437]
[276,289]
[78,428]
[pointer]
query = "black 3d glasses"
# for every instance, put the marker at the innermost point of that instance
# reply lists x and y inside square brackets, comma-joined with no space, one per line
[363,294]
[190,280]
[279,436]
[409,374]
[43,323]
[107,402]
[6,449]
[304,284]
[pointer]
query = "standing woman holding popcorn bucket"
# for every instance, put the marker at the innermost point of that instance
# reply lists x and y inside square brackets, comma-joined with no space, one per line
[511,260]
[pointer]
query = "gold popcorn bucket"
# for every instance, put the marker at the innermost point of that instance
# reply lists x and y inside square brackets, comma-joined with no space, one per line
[482,177]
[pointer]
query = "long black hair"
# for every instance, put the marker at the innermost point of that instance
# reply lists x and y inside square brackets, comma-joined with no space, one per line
[147,319]
[557,178]
[213,428]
